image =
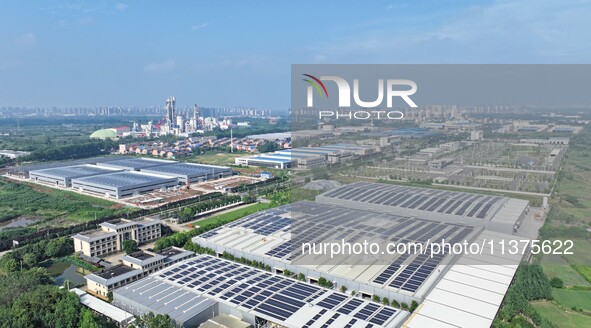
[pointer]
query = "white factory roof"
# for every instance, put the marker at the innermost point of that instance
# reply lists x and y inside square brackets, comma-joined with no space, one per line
[267,234]
[104,308]
[469,294]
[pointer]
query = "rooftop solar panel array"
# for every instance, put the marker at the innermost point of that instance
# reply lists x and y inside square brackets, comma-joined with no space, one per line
[271,295]
[421,199]
[321,222]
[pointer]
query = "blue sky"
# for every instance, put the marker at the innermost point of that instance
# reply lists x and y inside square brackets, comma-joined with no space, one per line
[238,53]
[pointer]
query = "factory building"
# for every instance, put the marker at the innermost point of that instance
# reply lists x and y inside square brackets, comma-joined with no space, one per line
[501,214]
[187,173]
[309,157]
[109,238]
[266,237]
[121,177]
[194,291]
[122,184]
[134,164]
[62,176]
[367,209]
[438,164]
[266,161]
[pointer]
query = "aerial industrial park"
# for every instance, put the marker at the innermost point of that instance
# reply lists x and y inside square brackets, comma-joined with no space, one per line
[239,267]
[218,165]
[245,271]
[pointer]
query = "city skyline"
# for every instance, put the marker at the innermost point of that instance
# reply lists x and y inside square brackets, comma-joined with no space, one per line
[226,54]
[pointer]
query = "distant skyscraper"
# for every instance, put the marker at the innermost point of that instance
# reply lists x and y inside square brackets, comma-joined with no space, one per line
[170,111]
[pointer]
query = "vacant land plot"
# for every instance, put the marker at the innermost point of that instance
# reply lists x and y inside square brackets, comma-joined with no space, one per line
[580,299]
[560,317]
[575,187]
[217,159]
[55,207]
[555,266]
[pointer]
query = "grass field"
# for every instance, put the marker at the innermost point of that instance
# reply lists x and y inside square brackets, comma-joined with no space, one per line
[577,179]
[580,299]
[53,207]
[234,215]
[555,266]
[583,270]
[561,318]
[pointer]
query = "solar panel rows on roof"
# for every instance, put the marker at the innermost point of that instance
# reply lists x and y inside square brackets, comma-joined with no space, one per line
[268,294]
[454,203]
[325,222]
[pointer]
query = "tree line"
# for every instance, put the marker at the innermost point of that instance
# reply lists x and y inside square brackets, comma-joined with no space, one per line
[6,244]
[530,284]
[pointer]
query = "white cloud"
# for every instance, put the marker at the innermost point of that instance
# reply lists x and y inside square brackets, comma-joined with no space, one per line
[198,27]
[121,7]
[319,58]
[26,40]
[516,31]
[160,67]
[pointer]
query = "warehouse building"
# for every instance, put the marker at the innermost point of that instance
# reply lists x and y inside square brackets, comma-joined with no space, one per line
[122,184]
[267,237]
[109,238]
[62,176]
[134,164]
[187,173]
[445,284]
[204,287]
[501,214]
[469,295]
[307,158]
[266,161]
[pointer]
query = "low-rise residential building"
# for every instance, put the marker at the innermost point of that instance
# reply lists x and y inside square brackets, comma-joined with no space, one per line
[111,235]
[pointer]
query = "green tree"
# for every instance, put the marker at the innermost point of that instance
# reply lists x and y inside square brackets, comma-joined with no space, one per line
[151,320]
[9,264]
[30,260]
[267,147]
[187,213]
[301,277]
[129,246]
[395,304]
[556,282]
[87,320]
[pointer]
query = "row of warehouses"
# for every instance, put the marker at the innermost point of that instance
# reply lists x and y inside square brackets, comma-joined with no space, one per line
[308,157]
[125,177]
[452,290]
